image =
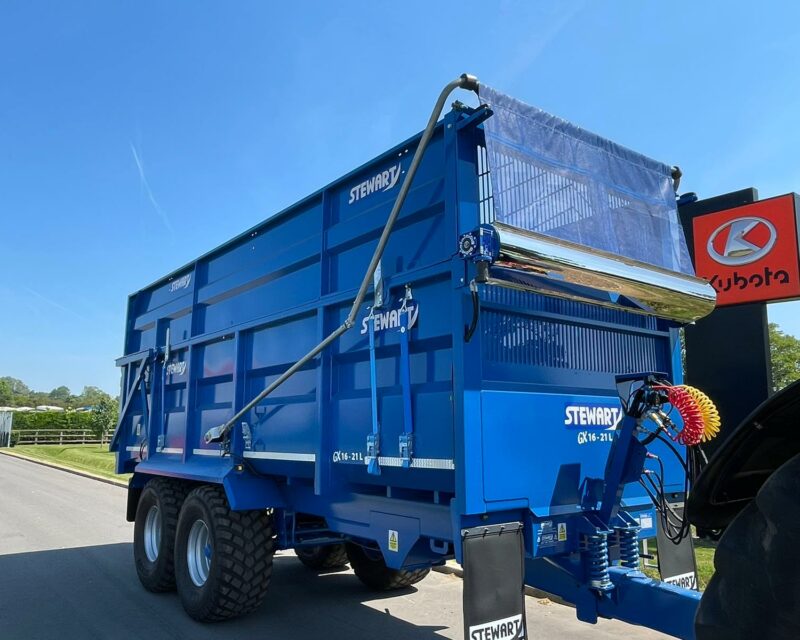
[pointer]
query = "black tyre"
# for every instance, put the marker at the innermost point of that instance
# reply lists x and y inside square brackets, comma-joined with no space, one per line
[321,558]
[223,558]
[369,567]
[154,533]
[755,592]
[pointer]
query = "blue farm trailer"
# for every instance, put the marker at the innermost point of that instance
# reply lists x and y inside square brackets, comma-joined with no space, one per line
[465,348]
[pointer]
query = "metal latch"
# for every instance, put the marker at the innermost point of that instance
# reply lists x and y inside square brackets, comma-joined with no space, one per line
[407,448]
[373,451]
[406,442]
[247,437]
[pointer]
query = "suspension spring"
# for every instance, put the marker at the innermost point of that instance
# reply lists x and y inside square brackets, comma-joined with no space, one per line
[628,540]
[595,554]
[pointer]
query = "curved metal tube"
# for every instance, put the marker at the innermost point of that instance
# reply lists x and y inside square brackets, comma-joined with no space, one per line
[465,81]
[666,294]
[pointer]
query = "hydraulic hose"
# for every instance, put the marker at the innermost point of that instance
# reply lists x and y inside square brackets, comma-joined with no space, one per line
[465,81]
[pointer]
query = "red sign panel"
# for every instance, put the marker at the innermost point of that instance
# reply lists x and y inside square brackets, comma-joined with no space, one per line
[750,253]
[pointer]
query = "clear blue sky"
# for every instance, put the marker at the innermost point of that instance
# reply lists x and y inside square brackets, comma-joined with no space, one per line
[136,135]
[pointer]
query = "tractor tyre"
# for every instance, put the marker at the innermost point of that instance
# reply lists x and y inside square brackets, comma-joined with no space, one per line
[755,591]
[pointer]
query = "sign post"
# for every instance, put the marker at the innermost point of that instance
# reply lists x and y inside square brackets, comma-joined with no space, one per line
[748,250]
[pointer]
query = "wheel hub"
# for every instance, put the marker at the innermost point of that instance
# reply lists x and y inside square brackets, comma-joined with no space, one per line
[152,533]
[198,553]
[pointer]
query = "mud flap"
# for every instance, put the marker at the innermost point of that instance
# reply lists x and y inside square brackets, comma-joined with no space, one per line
[494,576]
[676,562]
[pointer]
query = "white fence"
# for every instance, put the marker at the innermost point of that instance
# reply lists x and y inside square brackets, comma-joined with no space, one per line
[58,436]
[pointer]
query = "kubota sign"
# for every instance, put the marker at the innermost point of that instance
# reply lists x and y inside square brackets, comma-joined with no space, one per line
[750,253]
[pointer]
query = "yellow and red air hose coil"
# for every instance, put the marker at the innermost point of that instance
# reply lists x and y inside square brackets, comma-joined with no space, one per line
[700,416]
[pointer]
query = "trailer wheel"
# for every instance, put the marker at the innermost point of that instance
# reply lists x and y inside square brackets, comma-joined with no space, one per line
[223,558]
[754,592]
[320,558]
[371,569]
[154,533]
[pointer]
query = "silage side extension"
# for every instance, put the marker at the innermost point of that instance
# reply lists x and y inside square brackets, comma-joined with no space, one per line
[470,337]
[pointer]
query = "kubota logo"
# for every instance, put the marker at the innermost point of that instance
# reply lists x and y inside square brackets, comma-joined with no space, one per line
[382,181]
[742,241]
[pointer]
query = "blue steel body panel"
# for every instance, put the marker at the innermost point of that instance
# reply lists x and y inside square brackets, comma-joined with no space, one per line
[497,431]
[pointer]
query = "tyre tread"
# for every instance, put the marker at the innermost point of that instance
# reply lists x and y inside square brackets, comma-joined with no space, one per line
[754,591]
[171,494]
[377,576]
[333,556]
[244,549]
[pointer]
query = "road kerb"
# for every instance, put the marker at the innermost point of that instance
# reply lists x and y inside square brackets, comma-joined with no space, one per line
[61,467]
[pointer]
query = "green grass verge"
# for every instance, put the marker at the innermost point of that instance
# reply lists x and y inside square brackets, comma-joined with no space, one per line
[92,458]
[703,553]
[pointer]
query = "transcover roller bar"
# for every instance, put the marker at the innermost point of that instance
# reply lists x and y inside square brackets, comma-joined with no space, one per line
[535,262]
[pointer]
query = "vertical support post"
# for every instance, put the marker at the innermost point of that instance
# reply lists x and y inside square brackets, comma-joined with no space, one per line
[191,436]
[407,437]
[625,464]
[323,467]
[738,379]
[374,439]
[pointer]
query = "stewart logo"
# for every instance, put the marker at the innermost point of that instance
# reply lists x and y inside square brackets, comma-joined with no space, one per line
[176,368]
[505,629]
[579,416]
[391,319]
[685,580]
[181,283]
[382,181]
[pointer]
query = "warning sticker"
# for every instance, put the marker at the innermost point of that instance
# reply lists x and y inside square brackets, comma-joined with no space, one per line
[394,541]
[562,531]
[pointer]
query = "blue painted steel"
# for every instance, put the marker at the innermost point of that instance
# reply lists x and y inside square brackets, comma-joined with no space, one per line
[407,437]
[651,603]
[515,425]
[635,598]
[625,465]
[480,245]
[374,439]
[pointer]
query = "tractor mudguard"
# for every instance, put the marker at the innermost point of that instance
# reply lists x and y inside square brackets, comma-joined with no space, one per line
[763,442]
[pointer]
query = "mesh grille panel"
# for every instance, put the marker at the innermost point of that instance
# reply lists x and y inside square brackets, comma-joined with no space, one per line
[570,308]
[524,340]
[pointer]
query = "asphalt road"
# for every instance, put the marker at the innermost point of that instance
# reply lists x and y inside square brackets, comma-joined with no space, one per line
[66,571]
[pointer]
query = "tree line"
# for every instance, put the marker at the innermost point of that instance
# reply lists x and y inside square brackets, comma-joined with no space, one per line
[784,352]
[15,393]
